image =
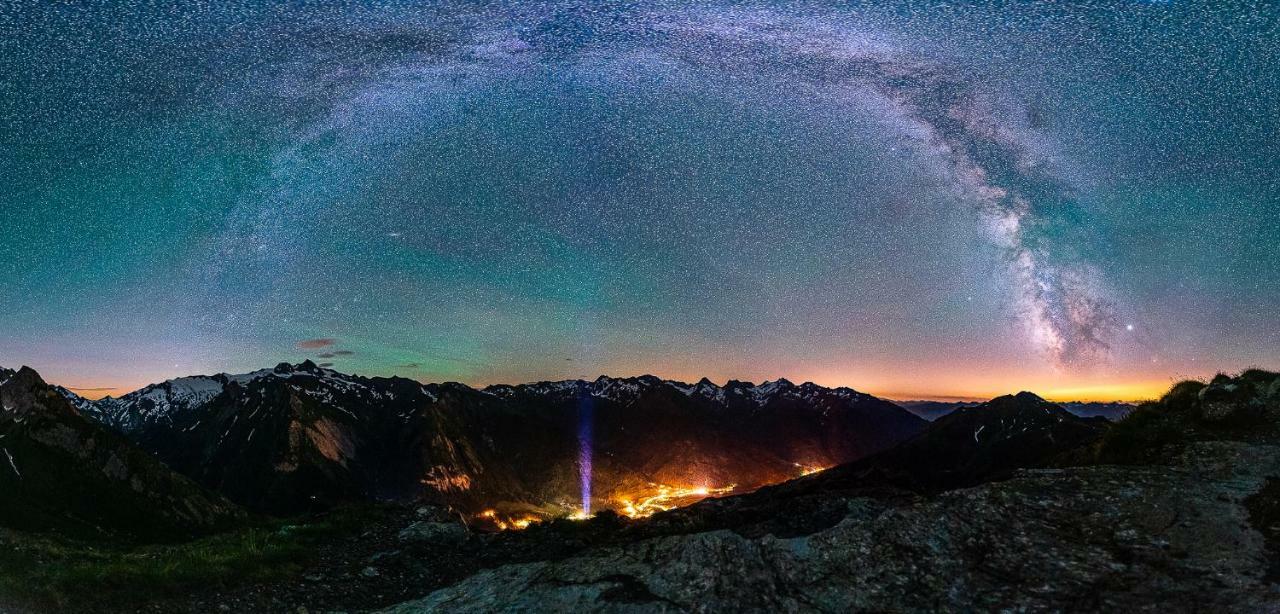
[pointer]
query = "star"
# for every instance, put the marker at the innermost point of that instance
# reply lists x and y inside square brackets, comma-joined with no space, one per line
[870,194]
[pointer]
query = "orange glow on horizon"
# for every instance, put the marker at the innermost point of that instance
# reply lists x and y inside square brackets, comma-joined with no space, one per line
[974,391]
[94,394]
[1101,393]
[978,380]
[980,376]
[1129,392]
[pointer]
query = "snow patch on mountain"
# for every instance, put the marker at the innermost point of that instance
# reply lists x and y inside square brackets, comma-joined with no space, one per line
[12,463]
[627,390]
[162,401]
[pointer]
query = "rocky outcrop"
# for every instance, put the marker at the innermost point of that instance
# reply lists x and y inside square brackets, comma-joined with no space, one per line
[1243,401]
[1241,408]
[434,532]
[60,471]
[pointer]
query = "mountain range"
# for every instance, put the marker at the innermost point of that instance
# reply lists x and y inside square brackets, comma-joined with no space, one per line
[825,498]
[932,410]
[302,437]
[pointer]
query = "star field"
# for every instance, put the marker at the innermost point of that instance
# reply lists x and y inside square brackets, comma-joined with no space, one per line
[913,199]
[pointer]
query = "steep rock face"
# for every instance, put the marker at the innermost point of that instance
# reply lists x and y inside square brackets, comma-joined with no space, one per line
[62,471]
[298,437]
[290,440]
[94,410]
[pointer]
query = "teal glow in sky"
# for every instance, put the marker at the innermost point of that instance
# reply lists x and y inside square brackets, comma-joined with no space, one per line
[919,199]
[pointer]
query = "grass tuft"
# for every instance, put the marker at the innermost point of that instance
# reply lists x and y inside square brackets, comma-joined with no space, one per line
[45,572]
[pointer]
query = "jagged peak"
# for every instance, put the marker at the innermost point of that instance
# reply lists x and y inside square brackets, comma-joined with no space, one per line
[159,400]
[605,386]
[26,376]
[306,366]
[6,375]
[770,387]
[602,386]
[26,392]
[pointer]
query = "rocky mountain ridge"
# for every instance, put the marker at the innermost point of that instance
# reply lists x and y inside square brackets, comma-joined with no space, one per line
[932,410]
[63,472]
[300,437]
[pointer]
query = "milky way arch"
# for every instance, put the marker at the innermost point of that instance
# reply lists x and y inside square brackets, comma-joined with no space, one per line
[981,140]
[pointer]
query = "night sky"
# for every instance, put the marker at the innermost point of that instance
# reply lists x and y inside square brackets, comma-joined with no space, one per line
[915,200]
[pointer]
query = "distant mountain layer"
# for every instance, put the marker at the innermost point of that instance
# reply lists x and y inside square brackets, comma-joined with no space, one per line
[60,471]
[300,436]
[969,446]
[932,410]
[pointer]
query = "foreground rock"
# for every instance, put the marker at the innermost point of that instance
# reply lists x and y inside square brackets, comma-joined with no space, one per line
[1088,538]
[434,532]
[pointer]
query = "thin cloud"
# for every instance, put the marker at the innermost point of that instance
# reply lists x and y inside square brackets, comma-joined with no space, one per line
[315,344]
